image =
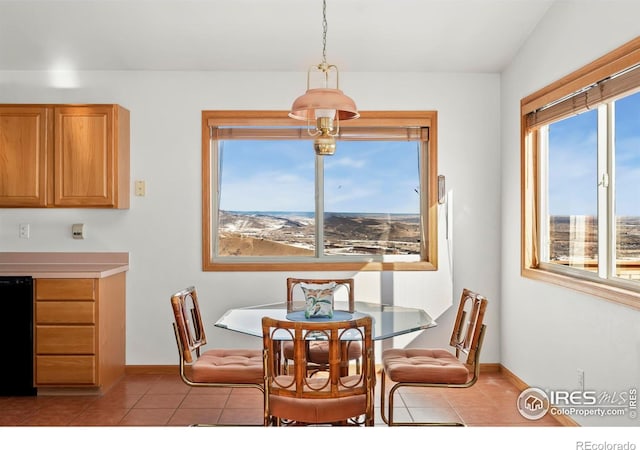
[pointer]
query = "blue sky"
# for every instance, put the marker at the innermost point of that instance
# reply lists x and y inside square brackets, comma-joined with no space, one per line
[572,165]
[573,173]
[628,156]
[371,177]
[381,177]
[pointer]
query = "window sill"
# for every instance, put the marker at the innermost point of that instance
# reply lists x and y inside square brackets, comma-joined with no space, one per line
[602,290]
[316,266]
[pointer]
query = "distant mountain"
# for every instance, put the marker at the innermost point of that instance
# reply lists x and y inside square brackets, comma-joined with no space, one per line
[574,237]
[345,233]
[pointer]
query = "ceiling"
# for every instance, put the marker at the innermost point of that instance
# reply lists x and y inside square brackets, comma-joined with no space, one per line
[265,35]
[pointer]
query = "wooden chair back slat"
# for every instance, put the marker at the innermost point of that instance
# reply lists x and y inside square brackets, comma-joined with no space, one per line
[467,328]
[188,322]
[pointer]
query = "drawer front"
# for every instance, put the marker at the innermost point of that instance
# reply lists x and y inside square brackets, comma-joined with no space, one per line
[64,370]
[63,339]
[65,289]
[65,312]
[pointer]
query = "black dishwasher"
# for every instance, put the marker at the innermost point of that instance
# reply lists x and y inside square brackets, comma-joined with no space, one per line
[16,335]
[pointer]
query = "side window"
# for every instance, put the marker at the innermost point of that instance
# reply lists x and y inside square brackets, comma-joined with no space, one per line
[626,167]
[570,218]
[580,190]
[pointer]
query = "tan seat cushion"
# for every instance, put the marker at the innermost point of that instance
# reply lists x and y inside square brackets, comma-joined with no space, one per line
[228,366]
[321,410]
[319,351]
[424,366]
[287,349]
[317,411]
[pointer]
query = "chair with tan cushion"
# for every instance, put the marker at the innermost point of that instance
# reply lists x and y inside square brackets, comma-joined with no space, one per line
[214,367]
[435,367]
[333,398]
[318,355]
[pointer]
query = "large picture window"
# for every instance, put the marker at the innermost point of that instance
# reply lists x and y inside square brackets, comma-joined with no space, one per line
[269,203]
[581,168]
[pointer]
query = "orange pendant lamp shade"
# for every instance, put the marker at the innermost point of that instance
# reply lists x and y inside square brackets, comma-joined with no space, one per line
[316,102]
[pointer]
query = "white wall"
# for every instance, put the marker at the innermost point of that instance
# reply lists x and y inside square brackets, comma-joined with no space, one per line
[162,231]
[548,332]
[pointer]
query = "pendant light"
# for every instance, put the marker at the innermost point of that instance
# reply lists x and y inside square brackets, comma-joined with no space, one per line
[324,107]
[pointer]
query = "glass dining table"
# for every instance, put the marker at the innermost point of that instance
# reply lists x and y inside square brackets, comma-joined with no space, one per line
[388,320]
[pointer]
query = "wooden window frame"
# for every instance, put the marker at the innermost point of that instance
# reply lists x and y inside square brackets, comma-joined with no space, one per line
[617,61]
[429,254]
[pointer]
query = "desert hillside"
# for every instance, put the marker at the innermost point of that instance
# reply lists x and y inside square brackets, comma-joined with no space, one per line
[238,245]
[280,234]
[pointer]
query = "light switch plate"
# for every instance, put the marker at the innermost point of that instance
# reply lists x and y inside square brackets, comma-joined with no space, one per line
[141,189]
[24,231]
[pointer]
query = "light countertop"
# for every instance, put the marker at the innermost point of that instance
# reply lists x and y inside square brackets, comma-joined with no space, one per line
[63,264]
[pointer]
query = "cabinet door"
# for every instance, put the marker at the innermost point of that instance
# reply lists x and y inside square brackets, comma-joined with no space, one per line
[56,313]
[64,370]
[66,289]
[65,340]
[84,156]
[24,149]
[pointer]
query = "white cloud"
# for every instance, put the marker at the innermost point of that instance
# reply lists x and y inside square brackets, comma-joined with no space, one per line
[344,162]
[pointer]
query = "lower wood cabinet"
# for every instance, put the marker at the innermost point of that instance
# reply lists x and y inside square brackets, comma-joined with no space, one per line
[79,332]
[77,370]
[66,340]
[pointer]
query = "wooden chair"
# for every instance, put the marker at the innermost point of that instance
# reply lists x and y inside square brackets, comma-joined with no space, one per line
[317,351]
[432,367]
[215,367]
[336,398]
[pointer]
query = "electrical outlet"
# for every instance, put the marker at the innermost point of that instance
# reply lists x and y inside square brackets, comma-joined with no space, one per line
[581,379]
[23,231]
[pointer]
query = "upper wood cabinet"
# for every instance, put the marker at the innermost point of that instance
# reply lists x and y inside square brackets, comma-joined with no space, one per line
[25,148]
[64,156]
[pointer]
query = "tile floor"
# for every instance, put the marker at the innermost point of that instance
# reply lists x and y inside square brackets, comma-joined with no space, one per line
[163,400]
